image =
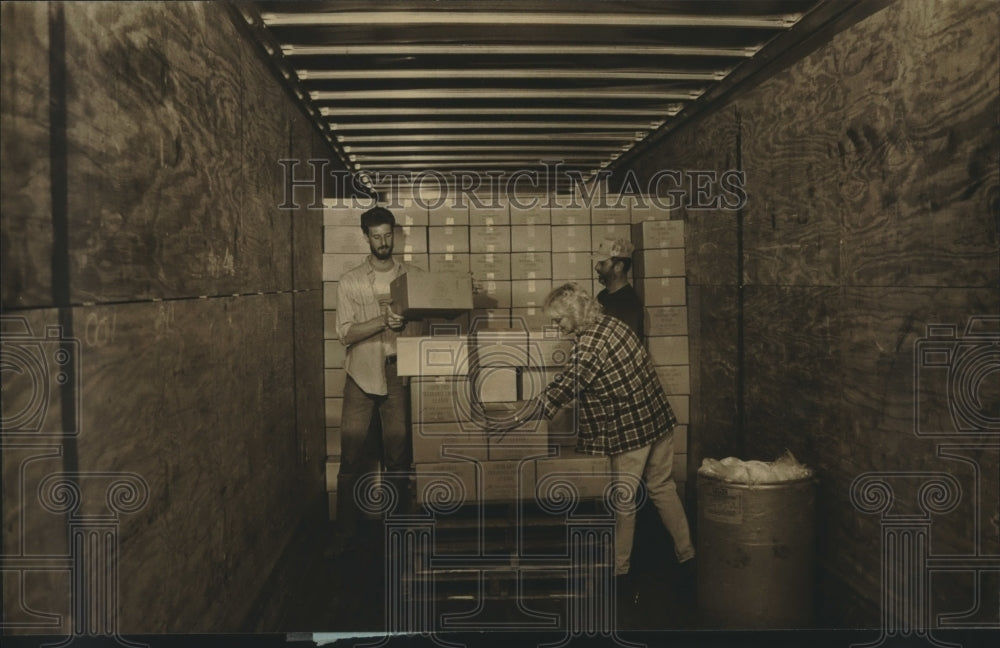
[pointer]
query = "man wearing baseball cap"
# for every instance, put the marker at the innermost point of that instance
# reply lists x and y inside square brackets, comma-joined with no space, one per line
[619,299]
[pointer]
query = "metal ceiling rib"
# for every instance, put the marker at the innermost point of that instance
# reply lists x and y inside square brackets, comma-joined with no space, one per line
[506,87]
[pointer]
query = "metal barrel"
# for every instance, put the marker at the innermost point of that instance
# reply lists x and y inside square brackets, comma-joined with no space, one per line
[756,550]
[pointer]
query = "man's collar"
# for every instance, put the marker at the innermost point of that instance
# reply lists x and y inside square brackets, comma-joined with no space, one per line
[396,263]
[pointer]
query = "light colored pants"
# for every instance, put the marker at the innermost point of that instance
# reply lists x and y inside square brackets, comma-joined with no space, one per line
[653,464]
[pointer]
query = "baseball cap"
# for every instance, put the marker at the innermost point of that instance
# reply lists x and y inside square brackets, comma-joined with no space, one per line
[616,247]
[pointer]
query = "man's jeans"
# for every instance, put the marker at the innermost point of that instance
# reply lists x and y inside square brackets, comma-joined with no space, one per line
[654,464]
[358,451]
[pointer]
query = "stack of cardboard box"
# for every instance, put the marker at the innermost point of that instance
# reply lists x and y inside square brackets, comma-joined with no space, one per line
[515,252]
[660,280]
[457,383]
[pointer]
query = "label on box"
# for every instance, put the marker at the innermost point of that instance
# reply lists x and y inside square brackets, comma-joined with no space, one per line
[440,399]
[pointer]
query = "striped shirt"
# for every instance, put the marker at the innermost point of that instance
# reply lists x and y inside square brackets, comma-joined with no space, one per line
[357,302]
[622,404]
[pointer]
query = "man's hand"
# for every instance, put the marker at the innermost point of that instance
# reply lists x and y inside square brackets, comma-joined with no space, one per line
[392,320]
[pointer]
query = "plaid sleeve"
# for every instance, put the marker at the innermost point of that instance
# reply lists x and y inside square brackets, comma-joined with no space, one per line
[581,370]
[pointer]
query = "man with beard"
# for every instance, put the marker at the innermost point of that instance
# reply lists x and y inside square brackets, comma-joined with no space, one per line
[368,328]
[619,299]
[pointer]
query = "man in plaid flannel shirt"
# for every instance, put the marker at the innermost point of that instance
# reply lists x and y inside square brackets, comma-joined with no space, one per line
[623,412]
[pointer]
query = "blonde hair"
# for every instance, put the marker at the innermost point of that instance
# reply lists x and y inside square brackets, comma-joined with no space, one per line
[572,299]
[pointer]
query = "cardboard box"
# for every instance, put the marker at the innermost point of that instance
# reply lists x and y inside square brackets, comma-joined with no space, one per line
[652,234]
[421,261]
[529,440]
[457,325]
[531,211]
[662,291]
[610,231]
[447,214]
[534,380]
[333,354]
[330,294]
[530,238]
[665,320]
[588,475]
[447,442]
[499,348]
[659,263]
[335,265]
[333,408]
[490,294]
[571,238]
[446,483]
[444,239]
[644,208]
[333,441]
[484,319]
[335,379]
[531,318]
[432,356]
[680,405]
[675,379]
[330,324]
[416,295]
[530,265]
[532,292]
[489,215]
[440,399]
[490,267]
[612,214]
[504,481]
[407,212]
[571,265]
[570,215]
[680,438]
[668,350]
[546,349]
[486,240]
[449,262]
[564,425]
[495,384]
[409,239]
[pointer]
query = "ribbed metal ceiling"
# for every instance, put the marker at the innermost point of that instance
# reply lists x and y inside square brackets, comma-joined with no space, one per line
[501,87]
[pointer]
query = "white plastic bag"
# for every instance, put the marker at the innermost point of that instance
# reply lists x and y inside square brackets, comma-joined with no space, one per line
[784,468]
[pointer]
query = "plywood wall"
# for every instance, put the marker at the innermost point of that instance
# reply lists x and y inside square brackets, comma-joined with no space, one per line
[141,193]
[872,183]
